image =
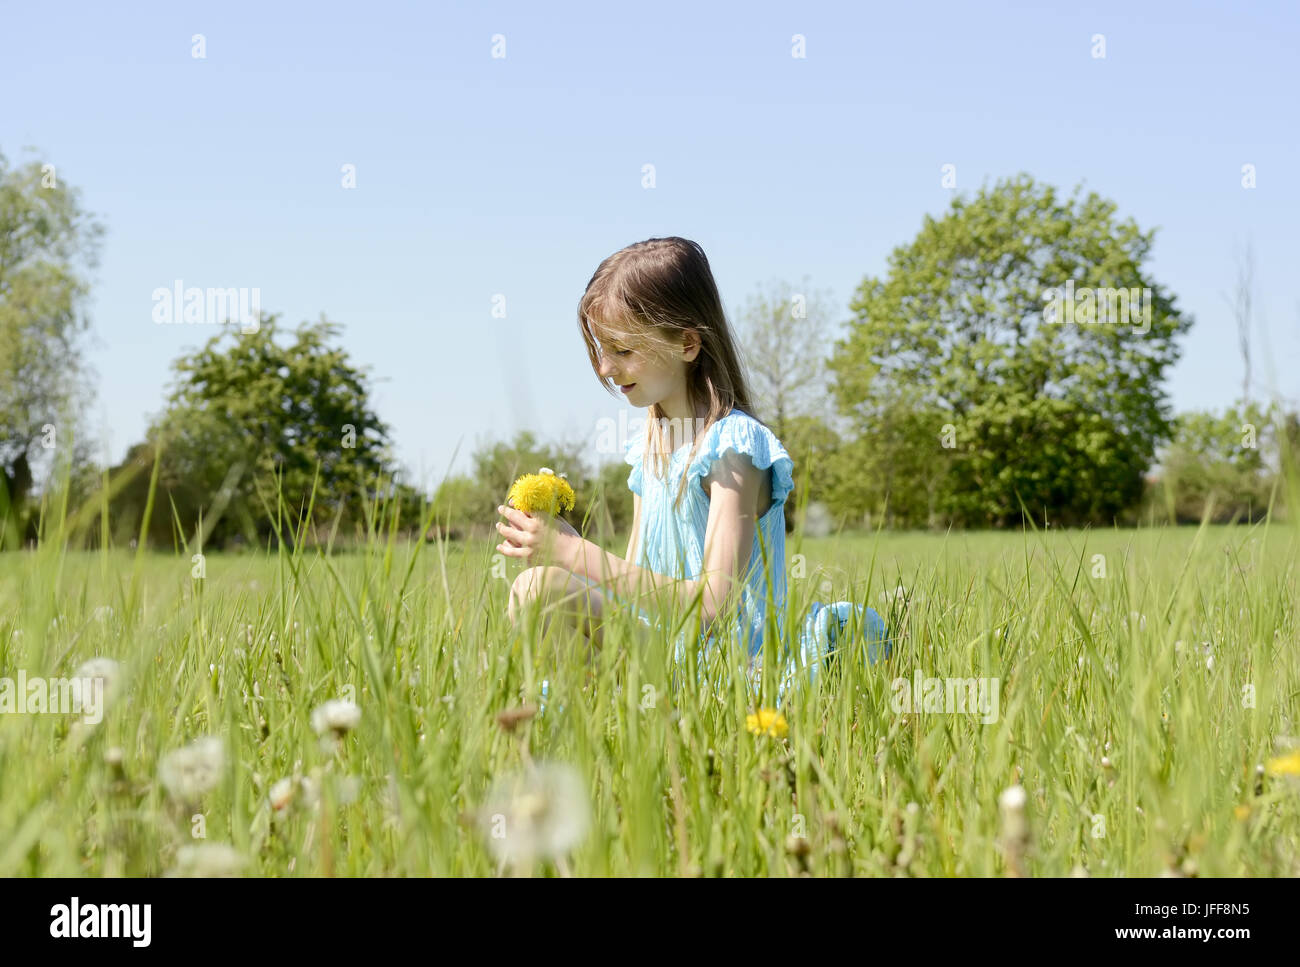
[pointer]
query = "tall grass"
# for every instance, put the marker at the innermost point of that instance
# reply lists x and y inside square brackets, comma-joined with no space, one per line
[1122,683]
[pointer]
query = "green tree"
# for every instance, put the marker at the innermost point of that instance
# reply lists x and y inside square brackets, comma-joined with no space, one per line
[48,246]
[893,477]
[784,339]
[1226,464]
[986,329]
[812,444]
[249,418]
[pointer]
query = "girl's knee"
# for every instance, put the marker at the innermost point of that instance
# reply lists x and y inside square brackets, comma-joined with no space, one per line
[532,584]
[522,589]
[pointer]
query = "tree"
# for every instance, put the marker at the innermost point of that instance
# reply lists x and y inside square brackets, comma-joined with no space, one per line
[895,478]
[1225,464]
[250,421]
[48,246]
[785,340]
[812,444]
[1002,330]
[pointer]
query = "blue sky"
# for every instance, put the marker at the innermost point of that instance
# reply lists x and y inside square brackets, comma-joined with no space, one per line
[478,175]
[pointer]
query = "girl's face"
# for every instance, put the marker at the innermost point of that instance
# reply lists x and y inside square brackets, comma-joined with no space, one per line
[643,379]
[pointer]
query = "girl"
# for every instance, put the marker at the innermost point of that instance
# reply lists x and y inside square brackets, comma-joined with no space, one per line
[709,510]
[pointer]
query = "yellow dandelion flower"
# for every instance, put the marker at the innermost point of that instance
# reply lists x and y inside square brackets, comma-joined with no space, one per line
[544,492]
[1242,812]
[768,721]
[1285,765]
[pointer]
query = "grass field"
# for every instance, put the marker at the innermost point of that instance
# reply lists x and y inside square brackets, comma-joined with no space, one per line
[1145,701]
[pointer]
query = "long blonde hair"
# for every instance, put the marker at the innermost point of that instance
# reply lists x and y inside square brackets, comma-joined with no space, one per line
[644,297]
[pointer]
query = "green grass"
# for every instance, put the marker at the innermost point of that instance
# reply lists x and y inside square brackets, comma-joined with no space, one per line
[1087,668]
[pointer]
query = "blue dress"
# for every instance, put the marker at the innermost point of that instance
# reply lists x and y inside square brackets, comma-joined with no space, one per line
[671,542]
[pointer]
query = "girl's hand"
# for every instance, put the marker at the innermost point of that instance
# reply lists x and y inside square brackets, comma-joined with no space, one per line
[527,534]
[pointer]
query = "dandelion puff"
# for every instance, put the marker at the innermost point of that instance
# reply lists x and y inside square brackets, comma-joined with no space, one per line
[347,789]
[541,813]
[108,672]
[281,794]
[299,792]
[206,860]
[1015,830]
[391,800]
[104,668]
[900,595]
[337,716]
[189,772]
[309,789]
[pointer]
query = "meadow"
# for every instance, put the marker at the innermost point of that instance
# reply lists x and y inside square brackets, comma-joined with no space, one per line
[375,713]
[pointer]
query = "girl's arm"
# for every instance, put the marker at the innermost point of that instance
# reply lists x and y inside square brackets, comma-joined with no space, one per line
[734,484]
[636,528]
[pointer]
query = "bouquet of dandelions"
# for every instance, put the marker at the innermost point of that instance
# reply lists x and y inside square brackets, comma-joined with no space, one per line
[545,492]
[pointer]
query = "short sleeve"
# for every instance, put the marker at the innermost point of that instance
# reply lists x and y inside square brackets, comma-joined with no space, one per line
[632,454]
[741,432]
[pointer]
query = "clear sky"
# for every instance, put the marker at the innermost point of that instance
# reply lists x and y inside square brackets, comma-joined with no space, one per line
[478,176]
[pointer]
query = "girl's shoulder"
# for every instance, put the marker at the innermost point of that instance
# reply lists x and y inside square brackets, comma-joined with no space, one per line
[741,432]
[737,430]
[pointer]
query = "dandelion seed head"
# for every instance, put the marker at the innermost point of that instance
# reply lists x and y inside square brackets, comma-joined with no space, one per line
[206,860]
[189,772]
[337,716]
[281,794]
[540,813]
[347,789]
[100,667]
[1012,798]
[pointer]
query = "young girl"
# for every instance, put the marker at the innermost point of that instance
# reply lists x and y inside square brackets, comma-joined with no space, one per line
[710,480]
